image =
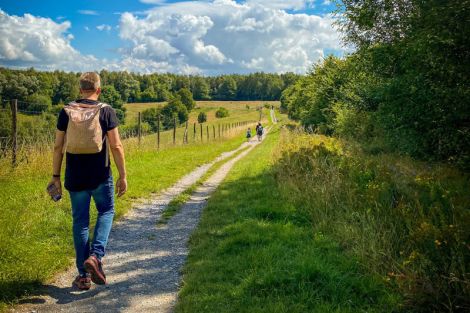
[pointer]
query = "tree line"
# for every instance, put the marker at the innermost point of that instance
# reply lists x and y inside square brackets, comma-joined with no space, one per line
[406,86]
[45,89]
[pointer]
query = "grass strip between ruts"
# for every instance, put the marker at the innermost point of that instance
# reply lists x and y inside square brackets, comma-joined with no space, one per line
[175,205]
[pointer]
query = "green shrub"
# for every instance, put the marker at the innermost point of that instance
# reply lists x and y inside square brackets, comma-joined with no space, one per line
[202,117]
[38,103]
[173,109]
[187,98]
[132,130]
[150,116]
[221,112]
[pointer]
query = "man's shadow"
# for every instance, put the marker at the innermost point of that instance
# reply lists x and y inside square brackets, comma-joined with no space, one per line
[62,295]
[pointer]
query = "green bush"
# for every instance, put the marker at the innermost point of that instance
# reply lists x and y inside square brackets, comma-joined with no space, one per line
[221,112]
[202,117]
[174,109]
[187,98]
[150,116]
[132,130]
[38,103]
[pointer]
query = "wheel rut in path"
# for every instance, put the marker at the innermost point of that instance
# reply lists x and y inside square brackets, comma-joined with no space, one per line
[143,262]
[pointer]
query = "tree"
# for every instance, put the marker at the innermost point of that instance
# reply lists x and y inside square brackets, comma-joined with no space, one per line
[202,117]
[38,103]
[67,89]
[419,52]
[174,109]
[148,95]
[200,89]
[127,86]
[150,116]
[228,89]
[19,86]
[110,96]
[186,98]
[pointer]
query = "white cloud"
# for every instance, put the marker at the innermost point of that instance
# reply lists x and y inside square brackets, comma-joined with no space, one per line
[171,37]
[283,4]
[88,12]
[153,1]
[40,42]
[208,37]
[104,27]
[224,36]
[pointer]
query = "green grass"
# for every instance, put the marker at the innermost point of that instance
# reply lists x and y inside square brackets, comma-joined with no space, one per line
[237,110]
[255,252]
[405,220]
[174,206]
[35,232]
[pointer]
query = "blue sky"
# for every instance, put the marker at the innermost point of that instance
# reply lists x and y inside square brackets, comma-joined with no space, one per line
[159,35]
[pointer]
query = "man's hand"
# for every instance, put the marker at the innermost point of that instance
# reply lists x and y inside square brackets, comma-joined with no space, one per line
[121,186]
[56,181]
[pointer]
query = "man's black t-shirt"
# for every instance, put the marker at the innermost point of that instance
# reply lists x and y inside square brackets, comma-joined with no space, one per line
[87,171]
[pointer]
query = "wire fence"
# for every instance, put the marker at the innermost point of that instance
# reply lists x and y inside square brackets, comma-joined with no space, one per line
[25,133]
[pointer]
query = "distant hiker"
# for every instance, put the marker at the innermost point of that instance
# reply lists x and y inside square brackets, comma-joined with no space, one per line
[257,126]
[259,131]
[86,130]
[248,134]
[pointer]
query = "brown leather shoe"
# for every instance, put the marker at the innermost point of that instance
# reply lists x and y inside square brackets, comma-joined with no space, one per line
[94,268]
[82,283]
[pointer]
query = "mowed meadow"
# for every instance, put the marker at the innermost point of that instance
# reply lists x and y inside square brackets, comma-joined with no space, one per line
[36,232]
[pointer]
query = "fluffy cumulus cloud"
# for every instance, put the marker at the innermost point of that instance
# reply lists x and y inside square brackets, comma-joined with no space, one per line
[209,37]
[39,42]
[224,36]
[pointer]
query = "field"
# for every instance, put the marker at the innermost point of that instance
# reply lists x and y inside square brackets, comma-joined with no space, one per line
[238,110]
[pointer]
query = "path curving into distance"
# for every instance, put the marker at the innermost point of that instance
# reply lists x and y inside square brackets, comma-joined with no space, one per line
[273,116]
[143,262]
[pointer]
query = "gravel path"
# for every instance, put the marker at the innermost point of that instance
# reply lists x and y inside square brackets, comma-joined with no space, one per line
[273,117]
[143,261]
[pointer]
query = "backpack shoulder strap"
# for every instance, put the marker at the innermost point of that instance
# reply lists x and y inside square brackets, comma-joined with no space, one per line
[103,105]
[105,141]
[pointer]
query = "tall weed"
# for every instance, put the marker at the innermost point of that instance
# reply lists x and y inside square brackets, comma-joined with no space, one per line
[407,220]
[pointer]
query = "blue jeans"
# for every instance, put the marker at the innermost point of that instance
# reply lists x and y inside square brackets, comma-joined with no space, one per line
[103,196]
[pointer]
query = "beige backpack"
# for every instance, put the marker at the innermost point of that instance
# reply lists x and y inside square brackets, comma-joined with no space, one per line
[84,134]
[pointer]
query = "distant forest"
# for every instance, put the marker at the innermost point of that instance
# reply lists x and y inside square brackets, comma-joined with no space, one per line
[51,88]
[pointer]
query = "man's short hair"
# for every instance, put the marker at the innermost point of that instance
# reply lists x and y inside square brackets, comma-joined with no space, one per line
[90,81]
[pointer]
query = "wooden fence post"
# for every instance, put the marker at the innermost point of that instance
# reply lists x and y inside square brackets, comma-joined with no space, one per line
[201,131]
[194,135]
[213,129]
[207,132]
[185,136]
[139,127]
[158,132]
[14,130]
[174,130]
[219,130]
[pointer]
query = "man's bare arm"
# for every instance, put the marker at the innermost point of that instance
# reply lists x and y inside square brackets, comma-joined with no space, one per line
[57,157]
[118,154]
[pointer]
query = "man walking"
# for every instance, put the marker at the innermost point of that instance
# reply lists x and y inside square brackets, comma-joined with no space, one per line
[86,130]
